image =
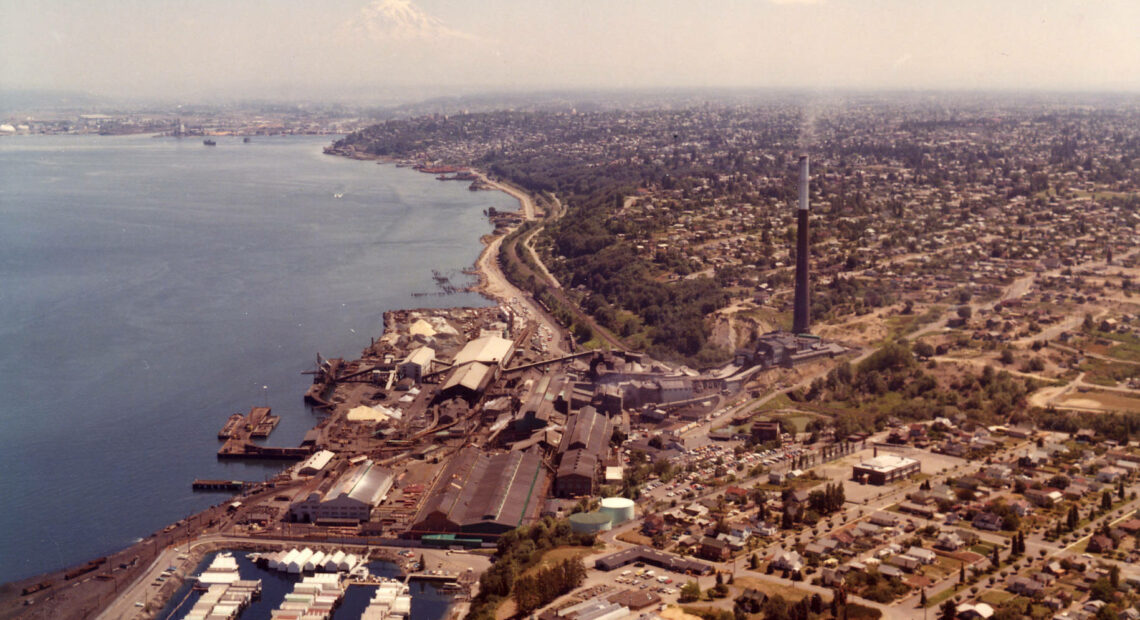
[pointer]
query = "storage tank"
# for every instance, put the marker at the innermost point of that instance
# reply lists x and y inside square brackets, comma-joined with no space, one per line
[589,522]
[619,509]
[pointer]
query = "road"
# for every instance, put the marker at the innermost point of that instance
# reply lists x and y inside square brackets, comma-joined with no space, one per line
[525,201]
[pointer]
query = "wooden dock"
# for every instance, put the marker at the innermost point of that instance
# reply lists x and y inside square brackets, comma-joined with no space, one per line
[232,426]
[258,423]
[243,449]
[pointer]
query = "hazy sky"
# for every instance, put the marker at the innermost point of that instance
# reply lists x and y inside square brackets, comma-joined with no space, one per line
[200,49]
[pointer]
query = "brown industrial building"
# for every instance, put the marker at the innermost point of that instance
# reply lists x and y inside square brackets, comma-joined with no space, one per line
[483,495]
[584,445]
[765,430]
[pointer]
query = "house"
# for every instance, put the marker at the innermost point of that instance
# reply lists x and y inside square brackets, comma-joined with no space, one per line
[885,519]
[1046,498]
[751,601]
[926,512]
[1131,526]
[887,570]
[1110,474]
[715,549]
[1100,544]
[925,555]
[1024,586]
[906,562]
[735,543]
[987,521]
[736,494]
[816,550]
[949,541]
[831,578]
[788,560]
[652,524]
[843,538]
[1020,507]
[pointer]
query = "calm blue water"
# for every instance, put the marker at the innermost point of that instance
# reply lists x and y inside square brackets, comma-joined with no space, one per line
[149,287]
[428,603]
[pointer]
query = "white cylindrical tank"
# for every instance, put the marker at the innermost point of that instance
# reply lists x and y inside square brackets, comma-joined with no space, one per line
[619,509]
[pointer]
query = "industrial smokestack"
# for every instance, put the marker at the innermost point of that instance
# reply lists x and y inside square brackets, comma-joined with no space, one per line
[801,315]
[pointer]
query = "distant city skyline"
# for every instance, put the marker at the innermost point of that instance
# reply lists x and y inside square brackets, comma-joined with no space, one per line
[401,50]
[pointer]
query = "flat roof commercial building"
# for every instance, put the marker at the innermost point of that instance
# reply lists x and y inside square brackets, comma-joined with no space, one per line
[660,559]
[884,469]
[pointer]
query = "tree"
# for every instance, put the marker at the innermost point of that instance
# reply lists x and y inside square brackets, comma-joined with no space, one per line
[996,558]
[922,598]
[690,592]
[965,312]
[949,610]
[753,562]
[961,572]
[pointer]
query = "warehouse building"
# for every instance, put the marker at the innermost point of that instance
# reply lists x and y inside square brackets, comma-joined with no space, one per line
[416,364]
[483,495]
[350,496]
[583,449]
[883,469]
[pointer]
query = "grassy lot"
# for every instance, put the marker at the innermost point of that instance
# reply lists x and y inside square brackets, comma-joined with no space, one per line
[1105,373]
[634,538]
[556,555]
[996,597]
[1101,401]
[983,549]
[941,568]
[1123,347]
[798,420]
[788,592]
[779,402]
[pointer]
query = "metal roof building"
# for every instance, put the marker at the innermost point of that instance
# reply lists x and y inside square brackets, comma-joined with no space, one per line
[353,495]
[470,379]
[484,495]
[487,350]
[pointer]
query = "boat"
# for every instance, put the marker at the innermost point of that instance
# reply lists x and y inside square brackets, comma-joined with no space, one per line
[209,142]
[245,140]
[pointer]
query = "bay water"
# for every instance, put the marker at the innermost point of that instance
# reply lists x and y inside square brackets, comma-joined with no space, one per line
[150,287]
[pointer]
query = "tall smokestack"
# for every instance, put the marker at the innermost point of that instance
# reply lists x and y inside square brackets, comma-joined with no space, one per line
[801,315]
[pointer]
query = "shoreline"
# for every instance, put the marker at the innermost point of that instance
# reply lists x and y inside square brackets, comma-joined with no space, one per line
[143,556]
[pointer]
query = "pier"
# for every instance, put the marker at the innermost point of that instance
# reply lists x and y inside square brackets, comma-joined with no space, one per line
[257,424]
[200,484]
[234,449]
